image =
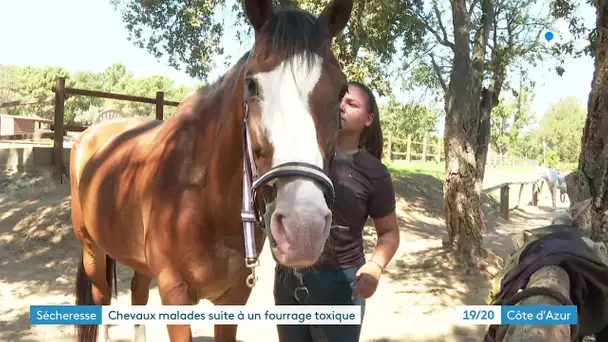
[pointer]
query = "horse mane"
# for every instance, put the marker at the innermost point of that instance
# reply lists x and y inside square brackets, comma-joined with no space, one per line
[191,133]
[287,34]
[293,32]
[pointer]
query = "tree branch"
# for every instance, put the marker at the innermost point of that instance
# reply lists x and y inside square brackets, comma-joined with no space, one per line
[472,6]
[437,70]
[460,18]
[424,22]
[481,38]
[440,23]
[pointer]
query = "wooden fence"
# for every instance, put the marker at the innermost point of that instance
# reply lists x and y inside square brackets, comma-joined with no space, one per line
[429,147]
[505,189]
[58,126]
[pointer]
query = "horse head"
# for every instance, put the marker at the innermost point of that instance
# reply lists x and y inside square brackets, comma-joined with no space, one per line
[293,87]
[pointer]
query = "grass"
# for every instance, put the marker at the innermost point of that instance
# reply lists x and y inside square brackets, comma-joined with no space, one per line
[401,167]
[415,171]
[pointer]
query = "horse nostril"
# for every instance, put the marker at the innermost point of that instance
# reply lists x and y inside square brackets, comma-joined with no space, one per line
[278,220]
[328,219]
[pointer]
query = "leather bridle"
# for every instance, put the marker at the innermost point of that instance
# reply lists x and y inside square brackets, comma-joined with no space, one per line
[253,206]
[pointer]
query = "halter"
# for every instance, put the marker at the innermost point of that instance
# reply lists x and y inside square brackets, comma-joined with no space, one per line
[252,213]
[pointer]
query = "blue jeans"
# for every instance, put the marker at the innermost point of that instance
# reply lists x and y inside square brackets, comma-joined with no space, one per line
[325,287]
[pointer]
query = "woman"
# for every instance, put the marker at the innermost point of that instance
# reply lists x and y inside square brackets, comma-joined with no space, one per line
[363,188]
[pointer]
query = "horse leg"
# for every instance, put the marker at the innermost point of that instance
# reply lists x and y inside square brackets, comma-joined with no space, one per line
[540,186]
[140,291]
[552,189]
[96,273]
[173,290]
[236,295]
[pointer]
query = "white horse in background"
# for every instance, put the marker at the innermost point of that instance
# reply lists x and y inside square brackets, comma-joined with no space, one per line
[555,180]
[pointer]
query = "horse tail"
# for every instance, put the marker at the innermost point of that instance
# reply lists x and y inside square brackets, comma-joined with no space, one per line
[111,276]
[84,296]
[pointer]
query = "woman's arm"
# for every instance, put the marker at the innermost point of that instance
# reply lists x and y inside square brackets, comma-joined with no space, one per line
[369,274]
[387,229]
[381,208]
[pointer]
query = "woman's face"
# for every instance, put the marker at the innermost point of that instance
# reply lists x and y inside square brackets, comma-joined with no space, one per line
[353,111]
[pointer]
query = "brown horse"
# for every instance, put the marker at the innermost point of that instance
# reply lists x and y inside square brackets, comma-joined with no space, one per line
[177,200]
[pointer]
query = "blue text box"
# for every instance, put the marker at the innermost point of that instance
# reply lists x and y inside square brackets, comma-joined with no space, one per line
[539,314]
[65,314]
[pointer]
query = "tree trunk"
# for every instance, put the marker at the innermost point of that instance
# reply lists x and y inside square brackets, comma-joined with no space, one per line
[489,100]
[489,97]
[591,178]
[461,189]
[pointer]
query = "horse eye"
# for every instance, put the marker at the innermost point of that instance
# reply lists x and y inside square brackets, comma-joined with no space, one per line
[253,88]
[260,152]
[343,92]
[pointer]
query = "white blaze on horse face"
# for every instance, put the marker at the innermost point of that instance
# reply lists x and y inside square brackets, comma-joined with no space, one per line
[301,220]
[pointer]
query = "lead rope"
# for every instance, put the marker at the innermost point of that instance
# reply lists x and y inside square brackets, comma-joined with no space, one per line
[247,216]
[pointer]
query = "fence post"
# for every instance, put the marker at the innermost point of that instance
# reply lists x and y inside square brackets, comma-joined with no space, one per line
[438,157]
[424,148]
[390,147]
[504,201]
[534,195]
[59,128]
[160,102]
[408,155]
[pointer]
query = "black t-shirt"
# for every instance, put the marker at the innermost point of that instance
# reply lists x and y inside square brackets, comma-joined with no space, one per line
[363,188]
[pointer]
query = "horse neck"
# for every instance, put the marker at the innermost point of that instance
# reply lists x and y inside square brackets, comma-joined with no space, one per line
[216,124]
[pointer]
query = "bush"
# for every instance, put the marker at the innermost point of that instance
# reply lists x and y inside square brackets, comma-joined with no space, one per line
[552,159]
[566,167]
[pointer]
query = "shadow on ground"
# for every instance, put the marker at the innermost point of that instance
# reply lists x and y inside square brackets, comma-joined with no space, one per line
[39,255]
[38,250]
[36,239]
[424,274]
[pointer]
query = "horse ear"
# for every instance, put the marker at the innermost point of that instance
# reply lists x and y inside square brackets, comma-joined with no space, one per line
[336,15]
[258,12]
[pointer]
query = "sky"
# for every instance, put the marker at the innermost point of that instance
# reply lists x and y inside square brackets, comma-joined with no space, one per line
[92,37]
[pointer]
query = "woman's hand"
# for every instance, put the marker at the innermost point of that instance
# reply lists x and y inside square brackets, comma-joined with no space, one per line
[366,281]
[369,274]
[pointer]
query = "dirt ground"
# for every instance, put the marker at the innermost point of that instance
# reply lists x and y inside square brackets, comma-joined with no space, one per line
[414,301]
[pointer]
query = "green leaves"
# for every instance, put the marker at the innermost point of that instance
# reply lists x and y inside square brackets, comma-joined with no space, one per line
[584,36]
[29,82]
[509,118]
[561,128]
[188,35]
[402,120]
